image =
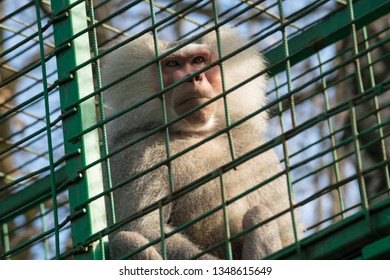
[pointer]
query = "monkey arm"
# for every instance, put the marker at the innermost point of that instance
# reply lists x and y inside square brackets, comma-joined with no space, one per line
[135,197]
[253,249]
[140,232]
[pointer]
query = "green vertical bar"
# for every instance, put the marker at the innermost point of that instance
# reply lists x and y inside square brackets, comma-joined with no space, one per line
[221,69]
[75,86]
[293,121]
[48,130]
[288,62]
[354,125]
[162,98]
[377,109]
[5,242]
[336,166]
[165,121]
[289,179]
[46,246]
[162,231]
[102,115]
[229,252]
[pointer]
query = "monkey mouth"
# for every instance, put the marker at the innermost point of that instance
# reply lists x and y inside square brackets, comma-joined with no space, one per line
[201,116]
[192,102]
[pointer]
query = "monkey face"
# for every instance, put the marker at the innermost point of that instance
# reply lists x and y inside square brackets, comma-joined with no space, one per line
[196,90]
[187,91]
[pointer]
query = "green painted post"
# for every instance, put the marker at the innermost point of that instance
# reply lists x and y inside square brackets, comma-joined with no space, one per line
[73,86]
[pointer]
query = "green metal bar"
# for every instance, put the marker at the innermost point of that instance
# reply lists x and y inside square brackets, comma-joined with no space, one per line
[25,73]
[221,68]
[327,31]
[229,252]
[354,126]
[206,68]
[162,98]
[296,90]
[205,24]
[14,32]
[345,238]
[276,56]
[21,105]
[345,181]
[27,198]
[102,115]
[21,43]
[358,70]
[39,237]
[14,180]
[359,163]
[287,172]
[48,131]
[14,47]
[17,11]
[199,183]
[167,138]
[29,175]
[90,182]
[286,49]
[378,250]
[340,159]
[183,16]
[162,231]
[102,240]
[336,166]
[26,89]
[338,55]
[42,213]
[125,41]
[341,107]
[16,55]
[5,238]
[376,106]
[292,55]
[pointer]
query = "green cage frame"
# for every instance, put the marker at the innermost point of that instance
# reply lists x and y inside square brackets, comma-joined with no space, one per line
[364,235]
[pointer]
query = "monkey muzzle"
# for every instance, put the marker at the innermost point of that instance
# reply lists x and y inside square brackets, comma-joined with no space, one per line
[187,98]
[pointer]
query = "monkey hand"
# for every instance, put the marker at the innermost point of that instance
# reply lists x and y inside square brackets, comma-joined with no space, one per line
[125,242]
[263,240]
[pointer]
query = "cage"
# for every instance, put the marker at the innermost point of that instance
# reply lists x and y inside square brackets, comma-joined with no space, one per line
[328,98]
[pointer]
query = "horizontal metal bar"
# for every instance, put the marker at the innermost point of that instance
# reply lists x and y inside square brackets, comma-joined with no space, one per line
[30,196]
[327,31]
[344,239]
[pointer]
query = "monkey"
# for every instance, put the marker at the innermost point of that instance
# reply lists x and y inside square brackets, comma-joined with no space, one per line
[190,97]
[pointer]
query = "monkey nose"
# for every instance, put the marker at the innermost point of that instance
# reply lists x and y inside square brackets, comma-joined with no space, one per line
[196,78]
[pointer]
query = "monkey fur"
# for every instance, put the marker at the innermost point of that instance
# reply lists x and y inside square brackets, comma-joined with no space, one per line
[250,210]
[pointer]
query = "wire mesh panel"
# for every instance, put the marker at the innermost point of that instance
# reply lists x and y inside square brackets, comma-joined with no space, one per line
[31,136]
[92,144]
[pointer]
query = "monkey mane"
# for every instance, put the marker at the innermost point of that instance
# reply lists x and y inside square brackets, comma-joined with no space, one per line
[242,66]
[143,84]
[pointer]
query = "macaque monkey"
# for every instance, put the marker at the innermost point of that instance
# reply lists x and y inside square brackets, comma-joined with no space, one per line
[190,92]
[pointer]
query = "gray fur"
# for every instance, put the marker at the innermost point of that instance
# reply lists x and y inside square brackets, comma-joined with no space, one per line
[250,210]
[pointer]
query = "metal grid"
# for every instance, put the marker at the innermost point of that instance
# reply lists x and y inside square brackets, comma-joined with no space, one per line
[329,101]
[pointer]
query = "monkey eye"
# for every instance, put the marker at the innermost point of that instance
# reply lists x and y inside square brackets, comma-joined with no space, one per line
[199,60]
[172,63]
